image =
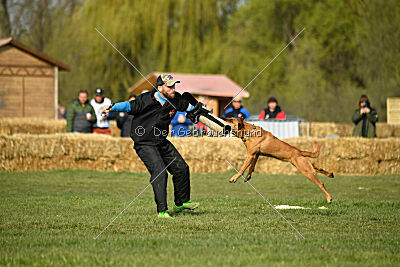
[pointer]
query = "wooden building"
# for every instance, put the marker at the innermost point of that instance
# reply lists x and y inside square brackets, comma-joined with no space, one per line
[214,90]
[28,81]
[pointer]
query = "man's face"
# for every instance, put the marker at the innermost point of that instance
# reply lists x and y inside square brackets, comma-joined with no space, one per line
[131,99]
[82,98]
[168,91]
[98,98]
[272,105]
[236,103]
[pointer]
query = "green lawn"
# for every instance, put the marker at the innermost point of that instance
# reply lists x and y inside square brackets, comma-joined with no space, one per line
[52,217]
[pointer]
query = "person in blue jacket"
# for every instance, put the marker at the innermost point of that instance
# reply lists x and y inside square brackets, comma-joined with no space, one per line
[237,110]
[180,125]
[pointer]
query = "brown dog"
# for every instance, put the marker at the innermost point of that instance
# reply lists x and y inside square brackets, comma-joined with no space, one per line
[260,142]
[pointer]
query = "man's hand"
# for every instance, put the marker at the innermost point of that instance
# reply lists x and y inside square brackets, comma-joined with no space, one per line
[106,110]
[193,114]
[89,116]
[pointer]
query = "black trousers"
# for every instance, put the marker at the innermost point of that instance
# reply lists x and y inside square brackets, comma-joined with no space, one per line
[156,158]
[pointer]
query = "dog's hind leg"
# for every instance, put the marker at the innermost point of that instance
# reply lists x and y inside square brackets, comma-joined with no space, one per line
[246,164]
[322,171]
[251,169]
[306,168]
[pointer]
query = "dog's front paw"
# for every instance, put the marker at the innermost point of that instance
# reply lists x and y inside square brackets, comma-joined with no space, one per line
[248,177]
[233,180]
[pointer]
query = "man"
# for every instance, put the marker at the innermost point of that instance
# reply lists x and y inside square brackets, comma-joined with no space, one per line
[272,111]
[153,112]
[102,125]
[124,121]
[237,110]
[80,114]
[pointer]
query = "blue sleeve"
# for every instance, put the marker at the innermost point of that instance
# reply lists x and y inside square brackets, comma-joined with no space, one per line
[122,106]
[246,112]
[190,107]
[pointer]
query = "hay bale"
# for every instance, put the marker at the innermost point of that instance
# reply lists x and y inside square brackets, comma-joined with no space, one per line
[11,126]
[26,152]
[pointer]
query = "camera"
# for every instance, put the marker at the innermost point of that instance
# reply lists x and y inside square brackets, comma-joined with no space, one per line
[365,105]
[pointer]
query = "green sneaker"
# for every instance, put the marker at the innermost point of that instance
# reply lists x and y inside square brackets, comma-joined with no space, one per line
[164,214]
[186,206]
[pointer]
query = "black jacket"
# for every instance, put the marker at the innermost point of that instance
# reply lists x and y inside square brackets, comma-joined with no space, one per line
[150,125]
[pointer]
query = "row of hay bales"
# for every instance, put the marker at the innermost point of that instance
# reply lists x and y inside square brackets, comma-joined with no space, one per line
[10,126]
[26,152]
[323,129]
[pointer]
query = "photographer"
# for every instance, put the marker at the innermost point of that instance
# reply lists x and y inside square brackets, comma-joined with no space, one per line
[364,119]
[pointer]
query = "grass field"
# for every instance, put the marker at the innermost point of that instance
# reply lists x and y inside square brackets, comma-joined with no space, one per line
[52,217]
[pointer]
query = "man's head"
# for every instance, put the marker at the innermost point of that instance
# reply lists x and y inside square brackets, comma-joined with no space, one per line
[237,102]
[99,95]
[82,96]
[272,103]
[166,85]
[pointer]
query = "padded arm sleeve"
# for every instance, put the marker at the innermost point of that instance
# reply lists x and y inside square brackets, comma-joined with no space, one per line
[122,106]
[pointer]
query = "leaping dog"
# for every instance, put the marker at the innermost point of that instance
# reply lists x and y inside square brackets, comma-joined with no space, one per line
[265,144]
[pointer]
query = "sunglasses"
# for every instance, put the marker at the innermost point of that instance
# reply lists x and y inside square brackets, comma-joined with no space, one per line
[237,101]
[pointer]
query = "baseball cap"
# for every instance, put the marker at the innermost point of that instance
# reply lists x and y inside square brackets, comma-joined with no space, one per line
[166,79]
[99,91]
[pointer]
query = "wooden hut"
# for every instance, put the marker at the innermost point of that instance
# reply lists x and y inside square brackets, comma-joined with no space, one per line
[28,81]
[214,90]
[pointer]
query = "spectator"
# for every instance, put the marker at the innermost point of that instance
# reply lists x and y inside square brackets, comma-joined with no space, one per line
[80,114]
[102,125]
[61,114]
[124,121]
[364,119]
[237,110]
[180,125]
[272,111]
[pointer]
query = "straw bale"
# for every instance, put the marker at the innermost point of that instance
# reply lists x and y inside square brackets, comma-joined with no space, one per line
[25,152]
[11,126]
[322,129]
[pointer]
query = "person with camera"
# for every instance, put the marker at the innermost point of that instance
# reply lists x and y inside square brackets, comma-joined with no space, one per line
[364,119]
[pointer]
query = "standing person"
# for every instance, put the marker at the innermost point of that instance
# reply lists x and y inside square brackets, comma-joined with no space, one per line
[180,125]
[124,120]
[153,112]
[102,125]
[364,119]
[237,110]
[80,114]
[272,111]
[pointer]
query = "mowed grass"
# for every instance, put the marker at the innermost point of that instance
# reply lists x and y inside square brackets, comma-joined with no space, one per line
[51,218]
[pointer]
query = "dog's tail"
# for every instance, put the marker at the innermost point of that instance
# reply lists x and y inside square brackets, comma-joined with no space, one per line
[311,154]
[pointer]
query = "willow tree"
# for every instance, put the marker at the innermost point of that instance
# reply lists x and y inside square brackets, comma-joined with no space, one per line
[162,35]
